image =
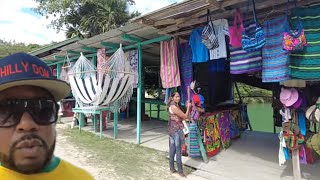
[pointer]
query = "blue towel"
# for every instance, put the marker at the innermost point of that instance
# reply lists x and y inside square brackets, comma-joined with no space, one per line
[286,153]
[302,123]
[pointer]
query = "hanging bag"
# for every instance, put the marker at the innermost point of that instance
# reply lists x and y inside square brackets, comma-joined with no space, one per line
[294,40]
[256,42]
[236,30]
[209,38]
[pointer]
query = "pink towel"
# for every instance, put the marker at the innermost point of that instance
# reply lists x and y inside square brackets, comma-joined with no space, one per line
[169,67]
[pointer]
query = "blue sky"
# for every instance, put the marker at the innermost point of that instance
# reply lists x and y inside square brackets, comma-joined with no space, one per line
[18,22]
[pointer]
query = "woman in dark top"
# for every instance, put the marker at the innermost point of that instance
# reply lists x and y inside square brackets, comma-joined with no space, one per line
[175,127]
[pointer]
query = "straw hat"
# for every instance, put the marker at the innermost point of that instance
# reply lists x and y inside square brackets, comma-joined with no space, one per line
[313,113]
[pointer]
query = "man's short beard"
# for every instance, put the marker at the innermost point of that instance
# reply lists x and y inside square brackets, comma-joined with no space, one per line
[8,160]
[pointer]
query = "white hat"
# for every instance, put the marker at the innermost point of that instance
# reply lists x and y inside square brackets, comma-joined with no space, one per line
[313,112]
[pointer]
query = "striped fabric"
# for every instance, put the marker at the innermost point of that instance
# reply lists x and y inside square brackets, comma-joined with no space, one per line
[194,149]
[275,63]
[185,64]
[169,67]
[241,61]
[306,65]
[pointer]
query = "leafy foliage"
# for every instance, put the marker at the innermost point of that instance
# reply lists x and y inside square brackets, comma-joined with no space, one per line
[250,94]
[86,17]
[10,47]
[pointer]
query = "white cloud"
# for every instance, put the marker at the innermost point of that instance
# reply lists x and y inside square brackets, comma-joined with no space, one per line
[146,6]
[16,23]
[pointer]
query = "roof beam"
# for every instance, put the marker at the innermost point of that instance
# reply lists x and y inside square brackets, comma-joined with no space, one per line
[59,57]
[91,49]
[215,3]
[74,52]
[110,45]
[127,37]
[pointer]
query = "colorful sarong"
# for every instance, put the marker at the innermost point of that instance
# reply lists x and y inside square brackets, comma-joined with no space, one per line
[169,67]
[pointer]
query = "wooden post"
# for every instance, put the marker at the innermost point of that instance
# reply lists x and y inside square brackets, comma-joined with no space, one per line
[296,165]
[139,93]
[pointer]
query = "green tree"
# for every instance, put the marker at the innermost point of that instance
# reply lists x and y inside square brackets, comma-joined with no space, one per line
[86,17]
[10,47]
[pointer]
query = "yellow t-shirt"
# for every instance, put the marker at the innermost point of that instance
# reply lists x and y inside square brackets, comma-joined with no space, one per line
[63,171]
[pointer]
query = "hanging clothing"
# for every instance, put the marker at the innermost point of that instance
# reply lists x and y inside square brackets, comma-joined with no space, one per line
[200,52]
[101,58]
[169,67]
[185,64]
[306,64]
[221,29]
[275,60]
[133,60]
[224,123]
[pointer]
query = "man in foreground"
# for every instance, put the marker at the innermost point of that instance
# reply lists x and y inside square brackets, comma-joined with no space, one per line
[28,116]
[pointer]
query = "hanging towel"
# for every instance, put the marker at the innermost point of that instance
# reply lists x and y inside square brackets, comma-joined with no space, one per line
[302,122]
[194,150]
[282,144]
[275,60]
[101,58]
[306,64]
[185,64]
[224,124]
[169,68]
[133,60]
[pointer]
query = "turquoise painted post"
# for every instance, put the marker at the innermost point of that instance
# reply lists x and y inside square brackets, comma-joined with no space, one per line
[115,120]
[139,93]
[80,121]
[101,124]
[58,71]
[95,122]
[94,61]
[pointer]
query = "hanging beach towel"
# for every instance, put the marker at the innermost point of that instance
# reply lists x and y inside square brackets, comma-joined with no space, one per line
[185,65]
[169,67]
[306,64]
[242,61]
[224,124]
[133,60]
[275,60]
[194,149]
[101,58]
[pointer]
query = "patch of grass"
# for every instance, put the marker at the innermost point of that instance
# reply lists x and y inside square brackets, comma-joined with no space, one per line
[128,160]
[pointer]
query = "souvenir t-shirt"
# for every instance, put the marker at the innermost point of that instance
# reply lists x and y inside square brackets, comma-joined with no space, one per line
[221,29]
[200,52]
[57,170]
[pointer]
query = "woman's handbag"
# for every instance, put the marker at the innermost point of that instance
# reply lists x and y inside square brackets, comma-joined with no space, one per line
[209,38]
[256,42]
[236,30]
[294,39]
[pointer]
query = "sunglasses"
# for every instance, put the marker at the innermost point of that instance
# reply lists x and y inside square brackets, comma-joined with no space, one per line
[43,111]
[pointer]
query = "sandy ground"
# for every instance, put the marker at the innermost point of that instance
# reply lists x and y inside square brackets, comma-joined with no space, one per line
[80,158]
